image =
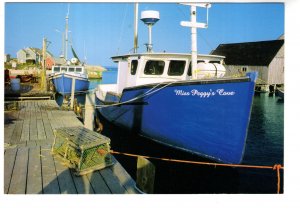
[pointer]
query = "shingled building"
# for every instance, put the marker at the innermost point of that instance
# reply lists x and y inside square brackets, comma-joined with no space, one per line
[266,57]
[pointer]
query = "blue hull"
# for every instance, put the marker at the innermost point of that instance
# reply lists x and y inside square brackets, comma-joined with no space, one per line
[208,118]
[63,84]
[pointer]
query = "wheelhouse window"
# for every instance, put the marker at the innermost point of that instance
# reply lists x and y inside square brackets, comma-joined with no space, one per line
[134,64]
[78,69]
[154,67]
[56,69]
[64,69]
[71,69]
[176,68]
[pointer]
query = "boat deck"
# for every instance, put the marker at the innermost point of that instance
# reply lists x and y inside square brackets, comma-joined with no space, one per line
[29,167]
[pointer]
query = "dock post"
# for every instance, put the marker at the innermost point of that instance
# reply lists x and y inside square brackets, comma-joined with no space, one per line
[145,175]
[72,93]
[89,113]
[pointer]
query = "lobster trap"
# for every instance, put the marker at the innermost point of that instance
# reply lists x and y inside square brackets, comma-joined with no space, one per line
[82,149]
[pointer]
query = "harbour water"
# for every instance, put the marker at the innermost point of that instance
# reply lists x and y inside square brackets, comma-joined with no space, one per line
[264,147]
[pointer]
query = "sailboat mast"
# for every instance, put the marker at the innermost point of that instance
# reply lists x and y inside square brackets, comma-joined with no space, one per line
[135,36]
[66,34]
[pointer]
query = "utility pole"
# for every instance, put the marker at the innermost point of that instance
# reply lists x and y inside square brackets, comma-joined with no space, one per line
[43,73]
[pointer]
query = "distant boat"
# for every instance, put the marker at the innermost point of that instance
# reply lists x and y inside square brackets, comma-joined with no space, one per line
[280,93]
[62,76]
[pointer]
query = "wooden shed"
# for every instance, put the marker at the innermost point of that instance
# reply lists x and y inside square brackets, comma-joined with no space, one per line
[266,57]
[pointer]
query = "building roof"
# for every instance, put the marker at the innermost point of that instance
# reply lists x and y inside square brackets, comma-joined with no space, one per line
[249,53]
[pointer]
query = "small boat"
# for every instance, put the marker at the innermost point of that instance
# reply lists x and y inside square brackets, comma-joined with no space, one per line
[62,77]
[162,97]
[280,93]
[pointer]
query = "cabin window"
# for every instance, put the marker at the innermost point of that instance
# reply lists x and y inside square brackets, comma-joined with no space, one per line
[56,69]
[71,69]
[176,68]
[244,69]
[134,64]
[154,67]
[78,69]
[64,69]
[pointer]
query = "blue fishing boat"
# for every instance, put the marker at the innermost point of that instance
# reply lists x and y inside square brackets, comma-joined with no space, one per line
[62,76]
[184,101]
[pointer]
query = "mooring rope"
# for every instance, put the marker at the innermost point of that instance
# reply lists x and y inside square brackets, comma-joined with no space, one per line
[147,93]
[276,167]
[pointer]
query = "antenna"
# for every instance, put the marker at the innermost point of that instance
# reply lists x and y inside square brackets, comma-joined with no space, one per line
[149,17]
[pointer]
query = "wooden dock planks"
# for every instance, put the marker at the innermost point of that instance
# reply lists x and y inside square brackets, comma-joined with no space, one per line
[29,167]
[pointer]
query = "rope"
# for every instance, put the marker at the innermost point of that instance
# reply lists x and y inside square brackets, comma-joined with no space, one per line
[147,93]
[275,167]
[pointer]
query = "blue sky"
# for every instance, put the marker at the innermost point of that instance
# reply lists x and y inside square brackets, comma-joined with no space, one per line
[106,29]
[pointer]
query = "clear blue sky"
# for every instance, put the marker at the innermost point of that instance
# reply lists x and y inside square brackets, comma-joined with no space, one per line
[106,29]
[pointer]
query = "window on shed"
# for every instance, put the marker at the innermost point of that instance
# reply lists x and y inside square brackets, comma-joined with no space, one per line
[154,67]
[134,64]
[176,68]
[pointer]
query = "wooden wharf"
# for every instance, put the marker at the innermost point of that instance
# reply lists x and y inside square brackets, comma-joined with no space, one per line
[29,167]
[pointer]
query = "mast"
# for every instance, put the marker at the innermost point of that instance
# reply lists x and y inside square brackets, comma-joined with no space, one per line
[194,25]
[135,34]
[66,34]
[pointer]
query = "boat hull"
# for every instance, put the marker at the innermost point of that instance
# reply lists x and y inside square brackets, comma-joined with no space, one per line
[208,118]
[63,83]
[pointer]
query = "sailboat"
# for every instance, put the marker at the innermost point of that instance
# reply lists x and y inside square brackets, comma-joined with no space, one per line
[182,100]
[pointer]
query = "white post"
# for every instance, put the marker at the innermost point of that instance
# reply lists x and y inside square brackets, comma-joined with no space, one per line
[72,94]
[150,38]
[89,113]
[194,41]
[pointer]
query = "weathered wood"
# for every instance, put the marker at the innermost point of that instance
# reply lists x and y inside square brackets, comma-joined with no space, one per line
[33,126]
[16,135]
[8,132]
[82,184]
[65,179]
[9,162]
[89,113]
[112,181]
[50,183]
[145,175]
[48,128]
[19,175]
[26,130]
[124,178]
[98,183]
[34,176]
[29,169]
[40,129]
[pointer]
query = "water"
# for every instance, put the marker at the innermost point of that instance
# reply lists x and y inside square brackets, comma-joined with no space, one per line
[264,147]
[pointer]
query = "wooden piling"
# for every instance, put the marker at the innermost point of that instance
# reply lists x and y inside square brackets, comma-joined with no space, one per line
[72,93]
[89,113]
[145,175]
